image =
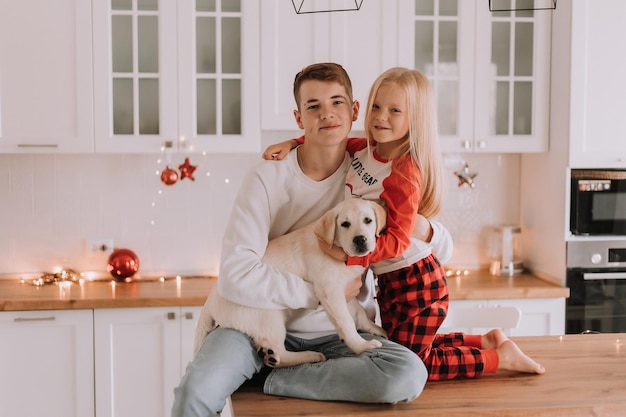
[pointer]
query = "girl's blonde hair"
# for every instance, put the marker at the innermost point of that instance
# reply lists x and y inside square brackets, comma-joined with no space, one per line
[422,142]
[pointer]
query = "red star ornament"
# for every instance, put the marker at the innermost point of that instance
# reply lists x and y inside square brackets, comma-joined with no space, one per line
[186,170]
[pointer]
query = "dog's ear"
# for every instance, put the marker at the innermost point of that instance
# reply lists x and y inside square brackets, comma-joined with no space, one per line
[325,228]
[381,218]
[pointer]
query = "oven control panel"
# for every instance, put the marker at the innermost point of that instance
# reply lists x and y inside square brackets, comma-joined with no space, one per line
[596,254]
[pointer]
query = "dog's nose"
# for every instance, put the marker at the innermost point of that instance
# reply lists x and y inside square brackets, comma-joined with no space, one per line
[359,240]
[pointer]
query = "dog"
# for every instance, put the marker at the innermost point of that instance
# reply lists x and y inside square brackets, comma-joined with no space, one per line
[353,225]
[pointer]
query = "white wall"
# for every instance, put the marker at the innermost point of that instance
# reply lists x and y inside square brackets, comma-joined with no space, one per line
[50,203]
[544,186]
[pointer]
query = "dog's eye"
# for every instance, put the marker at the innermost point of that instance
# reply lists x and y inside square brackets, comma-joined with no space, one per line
[345,224]
[367,220]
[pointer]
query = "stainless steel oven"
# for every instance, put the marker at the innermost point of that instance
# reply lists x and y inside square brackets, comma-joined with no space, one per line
[596,277]
[598,202]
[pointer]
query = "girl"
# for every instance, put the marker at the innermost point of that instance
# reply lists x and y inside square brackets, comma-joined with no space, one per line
[399,165]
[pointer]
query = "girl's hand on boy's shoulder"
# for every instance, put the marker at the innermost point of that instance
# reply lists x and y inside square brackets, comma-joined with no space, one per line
[278,151]
[274,153]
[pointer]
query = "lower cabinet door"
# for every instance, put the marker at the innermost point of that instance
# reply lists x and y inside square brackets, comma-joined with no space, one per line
[137,360]
[540,316]
[46,362]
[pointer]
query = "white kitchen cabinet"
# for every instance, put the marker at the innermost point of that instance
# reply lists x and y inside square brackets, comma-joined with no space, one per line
[598,85]
[184,72]
[46,358]
[363,42]
[141,354]
[490,71]
[540,316]
[46,83]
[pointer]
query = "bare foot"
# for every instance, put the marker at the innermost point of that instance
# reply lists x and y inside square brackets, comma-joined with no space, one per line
[513,359]
[493,339]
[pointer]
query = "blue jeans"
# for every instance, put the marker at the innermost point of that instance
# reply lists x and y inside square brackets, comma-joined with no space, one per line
[388,374]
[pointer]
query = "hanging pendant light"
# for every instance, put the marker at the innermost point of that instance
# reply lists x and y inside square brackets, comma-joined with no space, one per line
[313,6]
[518,5]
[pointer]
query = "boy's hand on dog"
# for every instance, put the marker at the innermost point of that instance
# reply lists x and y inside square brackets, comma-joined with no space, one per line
[333,251]
[353,288]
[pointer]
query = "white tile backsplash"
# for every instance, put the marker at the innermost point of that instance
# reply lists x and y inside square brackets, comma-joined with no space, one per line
[51,203]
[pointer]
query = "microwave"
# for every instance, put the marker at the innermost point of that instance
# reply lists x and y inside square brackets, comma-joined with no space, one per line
[598,202]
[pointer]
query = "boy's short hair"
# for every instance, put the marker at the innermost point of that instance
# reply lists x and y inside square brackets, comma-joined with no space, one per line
[325,71]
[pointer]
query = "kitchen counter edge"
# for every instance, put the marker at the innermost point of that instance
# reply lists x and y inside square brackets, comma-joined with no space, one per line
[16,296]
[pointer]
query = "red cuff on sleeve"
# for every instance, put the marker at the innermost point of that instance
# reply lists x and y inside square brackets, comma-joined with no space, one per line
[473,340]
[492,360]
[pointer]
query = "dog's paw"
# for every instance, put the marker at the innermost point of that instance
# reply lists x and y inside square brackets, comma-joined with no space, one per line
[367,345]
[318,357]
[269,357]
[374,343]
[379,331]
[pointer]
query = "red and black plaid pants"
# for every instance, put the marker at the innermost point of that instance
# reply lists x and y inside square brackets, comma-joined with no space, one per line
[413,303]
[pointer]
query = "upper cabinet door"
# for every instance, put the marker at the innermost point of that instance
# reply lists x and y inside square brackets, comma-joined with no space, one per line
[218,75]
[136,105]
[512,76]
[364,42]
[184,73]
[46,99]
[598,85]
[490,71]
[438,38]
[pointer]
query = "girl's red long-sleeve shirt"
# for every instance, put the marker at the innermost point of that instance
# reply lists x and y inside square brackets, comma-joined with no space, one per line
[395,183]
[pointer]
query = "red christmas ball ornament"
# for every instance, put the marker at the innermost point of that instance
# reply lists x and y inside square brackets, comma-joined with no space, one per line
[186,170]
[122,264]
[169,176]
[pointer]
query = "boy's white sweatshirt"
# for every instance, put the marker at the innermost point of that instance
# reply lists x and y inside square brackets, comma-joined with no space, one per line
[276,198]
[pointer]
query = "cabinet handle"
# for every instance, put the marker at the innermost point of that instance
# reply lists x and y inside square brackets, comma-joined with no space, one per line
[27,319]
[189,315]
[171,316]
[43,145]
[482,144]
[466,144]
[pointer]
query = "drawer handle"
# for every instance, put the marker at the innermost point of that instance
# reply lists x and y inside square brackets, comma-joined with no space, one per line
[189,315]
[171,316]
[27,319]
[43,145]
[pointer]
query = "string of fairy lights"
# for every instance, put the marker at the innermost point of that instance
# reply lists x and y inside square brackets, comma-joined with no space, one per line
[171,173]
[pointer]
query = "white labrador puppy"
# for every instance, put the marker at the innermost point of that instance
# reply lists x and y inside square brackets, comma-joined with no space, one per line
[352,225]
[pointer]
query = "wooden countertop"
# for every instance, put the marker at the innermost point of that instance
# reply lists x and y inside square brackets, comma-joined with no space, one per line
[585,376]
[193,291]
[481,285]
